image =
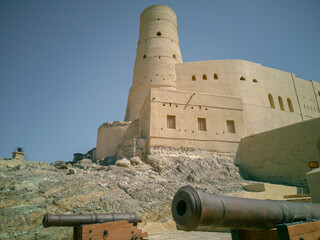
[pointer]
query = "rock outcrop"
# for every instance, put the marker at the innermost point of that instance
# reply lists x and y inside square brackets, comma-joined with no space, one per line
[31,189]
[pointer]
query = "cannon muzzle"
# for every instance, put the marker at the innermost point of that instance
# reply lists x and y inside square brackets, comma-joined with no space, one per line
[195,210]
[50,220]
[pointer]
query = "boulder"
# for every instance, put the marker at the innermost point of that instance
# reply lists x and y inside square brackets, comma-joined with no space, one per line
[72,171]
[123,163]
[135,161]
[60,165]
[84,164]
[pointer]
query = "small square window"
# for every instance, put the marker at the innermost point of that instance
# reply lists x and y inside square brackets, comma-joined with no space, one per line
[202,124]
[171,122]
[230,125]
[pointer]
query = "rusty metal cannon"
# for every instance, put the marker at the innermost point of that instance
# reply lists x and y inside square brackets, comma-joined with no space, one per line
[196,210]
[113,226]
[65,220]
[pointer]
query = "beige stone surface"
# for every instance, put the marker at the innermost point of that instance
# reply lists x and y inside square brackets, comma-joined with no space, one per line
[266,191]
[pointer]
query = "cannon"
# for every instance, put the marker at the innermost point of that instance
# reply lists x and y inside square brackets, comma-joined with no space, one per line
[196,210]
[53,220]
[113,226]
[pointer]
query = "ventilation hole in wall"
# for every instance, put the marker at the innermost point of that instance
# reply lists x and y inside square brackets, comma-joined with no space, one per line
[215,76]
[176,105]
[204,77]
[174,56]
[145,76]
[163,104]
[170,104]
[200,107]
[162,78]
[157,74]
[179,130]
[192,131]
[158,33]
[191,107]
[144,56]
[206,108]
[254,80]
[158,19]
[161,128]
[159,57]
[169,75]
[194,78]
[185,130]
[242,78]
[151,80]
[319,93]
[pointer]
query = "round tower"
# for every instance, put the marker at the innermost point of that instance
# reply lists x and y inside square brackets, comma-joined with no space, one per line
[157,53]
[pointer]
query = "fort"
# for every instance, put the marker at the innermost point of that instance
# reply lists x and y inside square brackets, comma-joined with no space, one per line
[209,105]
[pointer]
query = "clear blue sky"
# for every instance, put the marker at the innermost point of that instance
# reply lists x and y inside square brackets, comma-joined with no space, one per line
[66,66]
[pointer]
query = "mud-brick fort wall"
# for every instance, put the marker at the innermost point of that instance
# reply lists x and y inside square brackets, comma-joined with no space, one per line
[208,105]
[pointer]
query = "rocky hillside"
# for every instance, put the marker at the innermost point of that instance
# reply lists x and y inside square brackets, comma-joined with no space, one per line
[29,189]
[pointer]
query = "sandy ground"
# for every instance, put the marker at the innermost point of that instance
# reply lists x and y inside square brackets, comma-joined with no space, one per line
[175,235]
[167,230]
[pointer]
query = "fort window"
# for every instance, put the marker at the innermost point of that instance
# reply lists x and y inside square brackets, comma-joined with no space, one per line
[215,76]
[230,126]
[254,80]
[158,33]
[194,78]
[202,124]
[144,56]
[290,105]
[174,56]
[281,103]
[319,93]
[242,78]
[271,101]
[204,77]
[171,122]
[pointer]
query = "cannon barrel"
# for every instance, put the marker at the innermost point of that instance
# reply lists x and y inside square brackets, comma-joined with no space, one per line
[50,220]
[196,210]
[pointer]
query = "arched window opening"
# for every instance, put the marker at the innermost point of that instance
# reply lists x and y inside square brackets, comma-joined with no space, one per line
[271,101]
[255,80]
[158,33]
[204,77]
[242,78]
[281,103]
[174,56]
[194,78]
[144,56]
[290,105]
[215,76]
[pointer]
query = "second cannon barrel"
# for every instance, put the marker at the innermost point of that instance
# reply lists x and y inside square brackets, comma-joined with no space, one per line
[196,210]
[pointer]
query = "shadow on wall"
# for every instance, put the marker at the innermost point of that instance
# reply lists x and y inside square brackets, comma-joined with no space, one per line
[282,155]
[318,148]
